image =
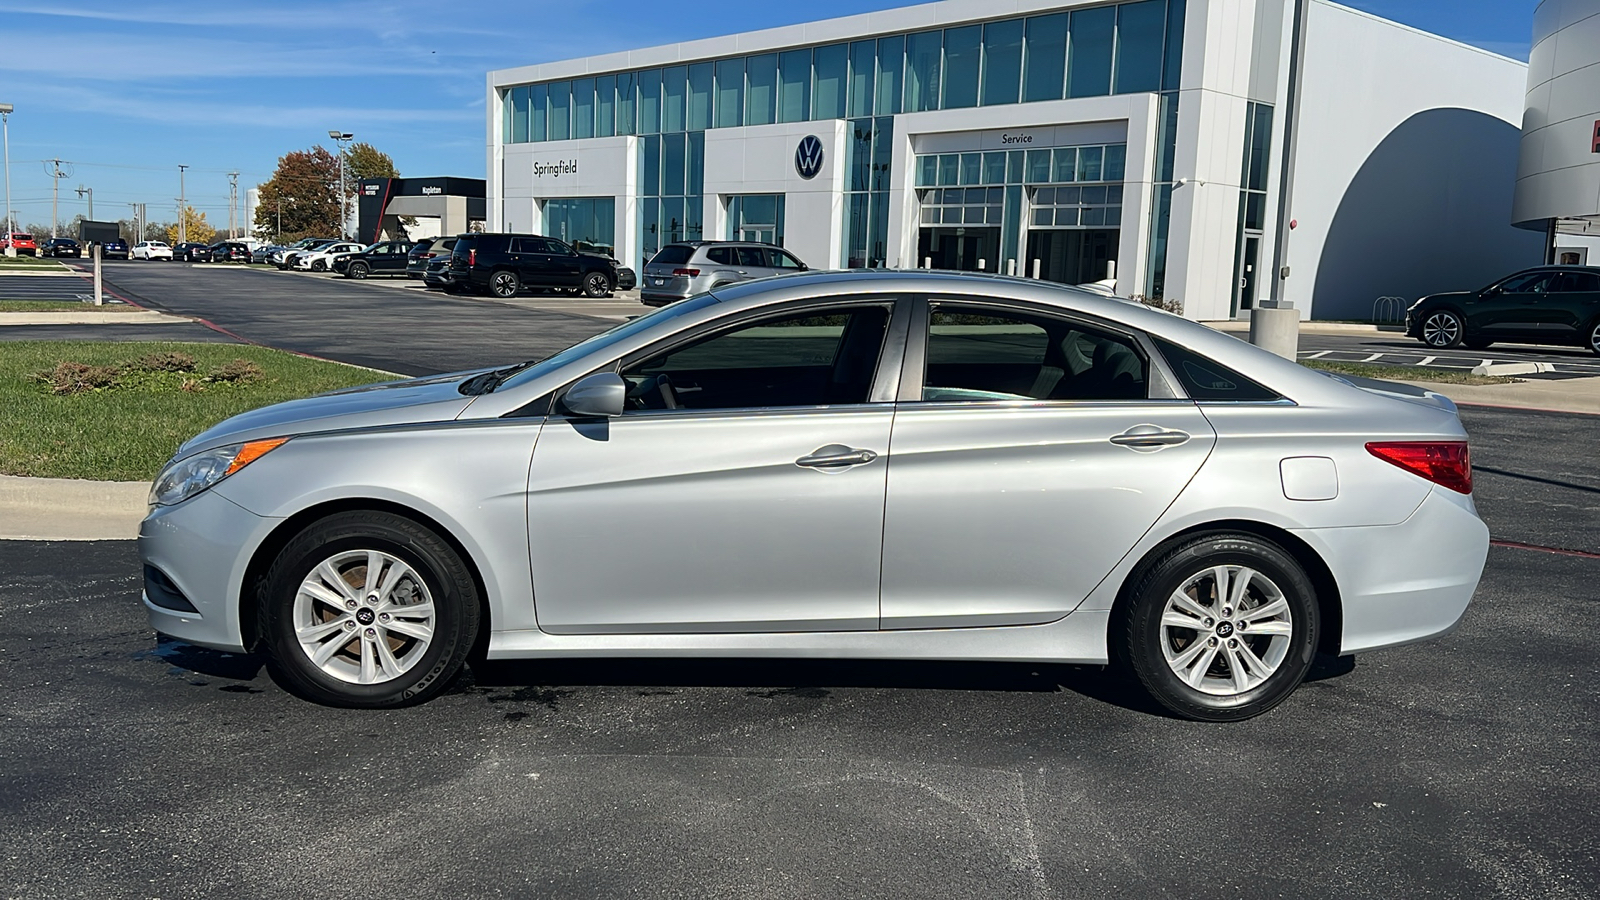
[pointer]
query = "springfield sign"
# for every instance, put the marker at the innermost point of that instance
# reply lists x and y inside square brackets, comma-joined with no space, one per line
[556,169]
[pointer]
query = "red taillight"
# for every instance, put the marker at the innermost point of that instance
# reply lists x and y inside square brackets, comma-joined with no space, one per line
[689,272]
[1445,463]
[429,255]
[472,257]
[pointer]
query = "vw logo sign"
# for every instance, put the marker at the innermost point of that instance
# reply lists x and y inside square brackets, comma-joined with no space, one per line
[808,157]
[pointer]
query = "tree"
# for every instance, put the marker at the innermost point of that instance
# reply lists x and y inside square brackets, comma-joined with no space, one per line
[366,161]
[195,227]
[302,198]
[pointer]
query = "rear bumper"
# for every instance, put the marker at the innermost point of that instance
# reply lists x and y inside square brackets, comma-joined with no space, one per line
[1407,582]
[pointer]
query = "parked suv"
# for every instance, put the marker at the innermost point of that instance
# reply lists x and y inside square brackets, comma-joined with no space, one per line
[503,264]
[694,267]
[192,251]
[425,251]
[20,241]
[230,251]
[1547,305]
[382,258]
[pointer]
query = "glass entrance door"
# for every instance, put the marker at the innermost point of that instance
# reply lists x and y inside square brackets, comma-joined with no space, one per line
[1245,278]
[960,249]
[1071,256]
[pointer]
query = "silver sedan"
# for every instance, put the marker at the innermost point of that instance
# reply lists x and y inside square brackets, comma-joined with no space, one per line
[866,464]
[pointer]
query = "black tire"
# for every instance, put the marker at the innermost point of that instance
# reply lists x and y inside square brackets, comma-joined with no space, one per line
[596,284]
[503,283]
[1442,329]
[442,571]
[318,265]
[356,270]
[1139,637]
[1594,337]
[1477,343]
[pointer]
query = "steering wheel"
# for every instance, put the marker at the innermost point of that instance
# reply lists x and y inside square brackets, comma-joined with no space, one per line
[661,386]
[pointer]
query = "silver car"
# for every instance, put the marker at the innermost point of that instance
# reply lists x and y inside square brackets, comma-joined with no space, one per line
[852,464]
[685,269]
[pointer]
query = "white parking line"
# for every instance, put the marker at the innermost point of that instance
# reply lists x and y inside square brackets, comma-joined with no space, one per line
[1373,358]
[1319,354]
[1427,360]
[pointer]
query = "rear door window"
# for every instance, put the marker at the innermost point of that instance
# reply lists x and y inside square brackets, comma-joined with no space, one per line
[1577,283]
[752,257]
[978,353]
[722,256]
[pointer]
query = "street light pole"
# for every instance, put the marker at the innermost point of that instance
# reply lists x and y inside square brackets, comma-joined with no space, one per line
[90,191]
[5,125]
[341,139]
[183,206]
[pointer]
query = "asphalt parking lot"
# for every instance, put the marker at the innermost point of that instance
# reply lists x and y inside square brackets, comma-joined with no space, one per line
[1462,767]
[1395,349]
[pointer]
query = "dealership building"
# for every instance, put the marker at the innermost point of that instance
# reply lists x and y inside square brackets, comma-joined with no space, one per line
[1218,154]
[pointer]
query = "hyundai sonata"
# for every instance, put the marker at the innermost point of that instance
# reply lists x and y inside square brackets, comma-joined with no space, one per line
[868,464]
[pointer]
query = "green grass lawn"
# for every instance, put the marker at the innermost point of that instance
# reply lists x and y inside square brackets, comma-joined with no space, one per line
[125,432]
[28,262]
[1405,373]
[9,306]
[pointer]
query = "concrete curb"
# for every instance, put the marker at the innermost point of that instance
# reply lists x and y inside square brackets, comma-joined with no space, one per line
[1243,325]
[70,509]
[91,316]
[1567,395]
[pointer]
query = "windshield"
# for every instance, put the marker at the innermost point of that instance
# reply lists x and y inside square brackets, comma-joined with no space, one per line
[607,338]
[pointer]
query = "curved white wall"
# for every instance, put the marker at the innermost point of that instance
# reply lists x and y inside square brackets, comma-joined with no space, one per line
[1558,173]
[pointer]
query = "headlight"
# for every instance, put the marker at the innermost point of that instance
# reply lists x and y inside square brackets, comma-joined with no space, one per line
[186,477]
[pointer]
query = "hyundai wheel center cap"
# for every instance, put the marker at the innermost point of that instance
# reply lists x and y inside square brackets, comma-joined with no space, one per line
[1224,629]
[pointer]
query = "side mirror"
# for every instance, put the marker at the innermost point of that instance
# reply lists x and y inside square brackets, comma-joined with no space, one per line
[597,396]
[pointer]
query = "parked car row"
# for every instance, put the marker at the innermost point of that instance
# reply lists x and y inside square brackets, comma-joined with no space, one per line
[69,248]
[502,265]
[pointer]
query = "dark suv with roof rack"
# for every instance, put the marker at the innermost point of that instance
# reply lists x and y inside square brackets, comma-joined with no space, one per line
[686,268]
[503,264]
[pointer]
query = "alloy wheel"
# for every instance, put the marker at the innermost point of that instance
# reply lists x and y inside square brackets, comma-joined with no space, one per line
[504,284]
[358,271]
[364,617]
[1226,630]
[1442,329]
[596,285]
[1594,337]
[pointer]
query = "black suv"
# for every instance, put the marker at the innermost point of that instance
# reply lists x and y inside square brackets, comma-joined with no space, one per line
[382,258]
[503,264]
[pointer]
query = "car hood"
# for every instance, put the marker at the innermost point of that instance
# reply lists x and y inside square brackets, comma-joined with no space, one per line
[434,398]
[598,257]
[1449,295]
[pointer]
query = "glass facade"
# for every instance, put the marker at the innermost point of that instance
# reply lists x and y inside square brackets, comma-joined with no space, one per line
[586,223]
[671,184]
[1252,203]
[866,223]
[1112,49]
[756,217]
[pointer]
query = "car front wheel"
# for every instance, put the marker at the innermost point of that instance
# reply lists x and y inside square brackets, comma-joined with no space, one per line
[596,284]
[504,284]
[356,270]
[1220,628]
[368,609]
[1442,329]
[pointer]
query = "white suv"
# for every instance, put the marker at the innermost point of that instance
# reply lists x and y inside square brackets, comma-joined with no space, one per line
[148,250]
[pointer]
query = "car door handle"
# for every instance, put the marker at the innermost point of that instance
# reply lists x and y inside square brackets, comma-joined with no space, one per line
[835,456]
[1149,437]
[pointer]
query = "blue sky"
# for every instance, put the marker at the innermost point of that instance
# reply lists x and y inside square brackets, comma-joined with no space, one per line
[127,91]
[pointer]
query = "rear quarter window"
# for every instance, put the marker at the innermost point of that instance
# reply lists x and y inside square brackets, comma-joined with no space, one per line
[1208,380]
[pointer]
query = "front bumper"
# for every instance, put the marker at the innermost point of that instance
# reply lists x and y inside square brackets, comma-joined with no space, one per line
[1407,582]
[202,546]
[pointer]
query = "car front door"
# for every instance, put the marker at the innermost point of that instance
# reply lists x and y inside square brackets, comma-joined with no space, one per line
[1511,309]
[1030,453]
[742,491]
[566,269]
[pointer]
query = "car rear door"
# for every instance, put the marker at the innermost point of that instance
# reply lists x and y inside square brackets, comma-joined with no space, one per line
[1030,453]
[741,492]
[1570,306]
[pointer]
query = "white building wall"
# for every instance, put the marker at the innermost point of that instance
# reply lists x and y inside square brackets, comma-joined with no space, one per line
[1405,152]
[760,159]
[1558,173]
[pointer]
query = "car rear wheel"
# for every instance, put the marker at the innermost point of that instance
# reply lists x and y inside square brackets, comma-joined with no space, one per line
[1442,329]
[596,284]
[356,270]
[370,610]
[504,284]
[1220,628]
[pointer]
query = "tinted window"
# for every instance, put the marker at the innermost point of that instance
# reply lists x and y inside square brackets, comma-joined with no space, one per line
[1529,283]
[816,359]
[722,256]
[1577,282]
[752,256]
[1205,379]
[778,259]
[672,255]
[976,353]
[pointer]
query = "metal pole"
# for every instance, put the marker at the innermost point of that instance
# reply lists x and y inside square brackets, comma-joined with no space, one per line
[344,214]
[233,204]
[99,288]
[55,190]
[183,206]
[90,191]
[5,124]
